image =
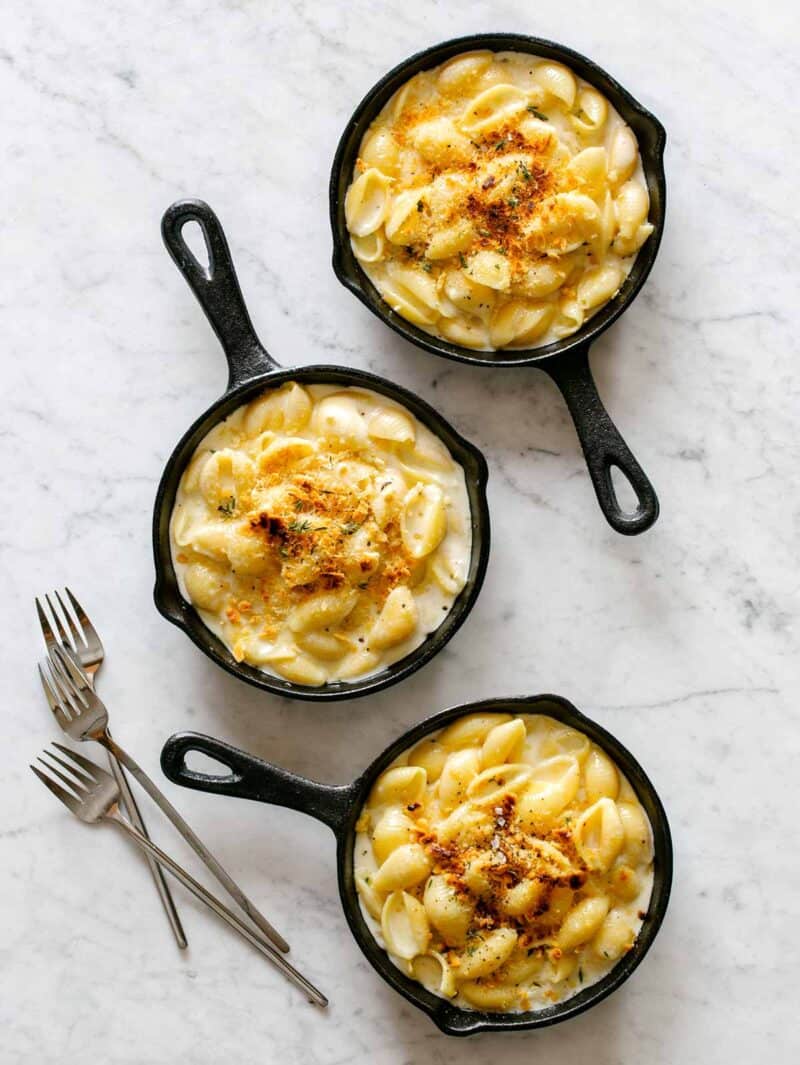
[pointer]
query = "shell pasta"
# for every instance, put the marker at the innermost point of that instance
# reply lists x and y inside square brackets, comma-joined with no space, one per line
[504,862]
[321,533]
[498,201]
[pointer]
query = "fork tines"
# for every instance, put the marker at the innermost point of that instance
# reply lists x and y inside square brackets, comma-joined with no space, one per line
[68,628]
[62,694]
[83,774]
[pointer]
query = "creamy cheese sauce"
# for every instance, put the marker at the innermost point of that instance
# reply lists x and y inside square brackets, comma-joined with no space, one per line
[504,862]
[321,533]
[498,201]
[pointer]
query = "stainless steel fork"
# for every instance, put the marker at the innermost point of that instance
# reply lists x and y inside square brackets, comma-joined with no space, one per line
[83,716]
[79,635]
[93,796]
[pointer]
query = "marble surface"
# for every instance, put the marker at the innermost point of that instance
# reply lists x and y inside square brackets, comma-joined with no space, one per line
[682,641]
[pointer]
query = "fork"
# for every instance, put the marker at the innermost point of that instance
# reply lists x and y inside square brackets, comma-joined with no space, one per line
[83,716]
[93,796]
[81,637]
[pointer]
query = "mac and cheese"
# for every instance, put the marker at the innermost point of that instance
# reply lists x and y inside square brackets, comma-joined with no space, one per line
[504,862]
[321,532]
[498,201]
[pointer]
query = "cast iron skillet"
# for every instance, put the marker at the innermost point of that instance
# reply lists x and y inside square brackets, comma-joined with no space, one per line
[251,370]
[340,806]
[566,361]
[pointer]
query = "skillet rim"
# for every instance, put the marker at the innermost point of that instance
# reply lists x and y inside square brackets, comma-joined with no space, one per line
[352,276]
[173,607]
[451,1019]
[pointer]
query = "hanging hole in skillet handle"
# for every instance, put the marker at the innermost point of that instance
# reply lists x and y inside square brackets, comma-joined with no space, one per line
[607,455]
[251,778]
[216,287]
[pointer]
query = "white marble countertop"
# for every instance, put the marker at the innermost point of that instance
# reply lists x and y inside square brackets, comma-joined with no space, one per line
[682,641]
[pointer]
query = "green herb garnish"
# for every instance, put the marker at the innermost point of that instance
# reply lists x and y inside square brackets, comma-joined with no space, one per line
[513,201]
[227,508]
[500,145]
[463,260]
[537,114]
[526,174]
[349,527]
[426,266]
[299,525]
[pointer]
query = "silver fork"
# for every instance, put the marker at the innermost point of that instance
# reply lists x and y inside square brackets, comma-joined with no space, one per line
[93,796]
[83,716]
[83,640]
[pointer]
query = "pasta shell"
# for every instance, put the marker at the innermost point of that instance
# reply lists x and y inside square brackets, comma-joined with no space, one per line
[380,151]
[406,223]
[366,203]
[372,901]
[337,418]
[393,830]
[583,922]
[462,72]
[431,756]
[287,408]
[448,912]
[423,522]
[401,784]
[592,112]
[557,81]
[599,835]
[459,770]
[471,730]
[616,936]
[405,867]
[486,953]
[450,241]
[518,322]
[499,997]
[638,834]
[503,742]
[489,787]
[600,776]
[390,423]
[206,585]
[323,609]
[397,620]
[433,972]
[369,249]
[553,784]
[492,108]
[622,156]
[491,269]
[405,926]
[301,670]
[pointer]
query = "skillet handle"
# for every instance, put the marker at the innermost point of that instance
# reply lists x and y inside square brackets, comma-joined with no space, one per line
[216,288]
[250,778]
[602,444]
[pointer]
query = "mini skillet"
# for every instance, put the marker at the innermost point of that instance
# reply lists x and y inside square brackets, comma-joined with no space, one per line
[567,360]
[339,807]
[251,370]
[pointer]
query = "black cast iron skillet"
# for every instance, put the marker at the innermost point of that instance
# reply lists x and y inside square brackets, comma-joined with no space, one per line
[251,370]
[339,807]
[567,360]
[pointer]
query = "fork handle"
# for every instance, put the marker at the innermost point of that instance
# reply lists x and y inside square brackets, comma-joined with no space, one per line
[162,887]
[314,995]
[194,842]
